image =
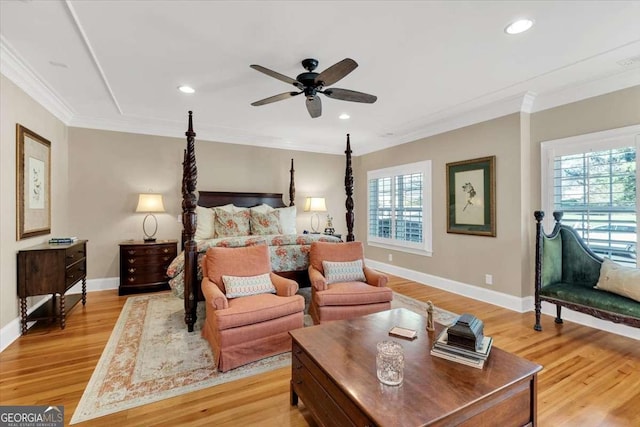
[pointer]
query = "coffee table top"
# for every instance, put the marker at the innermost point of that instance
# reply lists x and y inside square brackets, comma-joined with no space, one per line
[433,387]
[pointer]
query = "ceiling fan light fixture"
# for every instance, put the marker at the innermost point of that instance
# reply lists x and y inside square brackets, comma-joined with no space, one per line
[519,26]
[186,89]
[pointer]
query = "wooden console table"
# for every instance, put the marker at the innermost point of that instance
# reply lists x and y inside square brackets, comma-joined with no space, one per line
[334,373]
[51,269]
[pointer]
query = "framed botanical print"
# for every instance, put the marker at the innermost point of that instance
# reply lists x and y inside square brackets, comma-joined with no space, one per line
[471,197]
[33,184]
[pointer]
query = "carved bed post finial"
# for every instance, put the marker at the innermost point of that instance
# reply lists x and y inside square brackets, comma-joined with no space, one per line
[348,186]
[189,180]
[292,186]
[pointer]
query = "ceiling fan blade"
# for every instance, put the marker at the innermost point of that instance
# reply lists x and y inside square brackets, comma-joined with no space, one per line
[336,72]
[314,106]
[275,98]
[276,75]
[350,95]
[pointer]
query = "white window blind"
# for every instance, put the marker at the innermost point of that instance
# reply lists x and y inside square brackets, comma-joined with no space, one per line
[399,208]
[595,185]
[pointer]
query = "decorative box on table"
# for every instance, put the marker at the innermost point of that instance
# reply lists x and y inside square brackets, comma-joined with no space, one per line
[467,332]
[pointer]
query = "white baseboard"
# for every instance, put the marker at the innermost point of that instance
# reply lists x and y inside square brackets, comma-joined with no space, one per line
[520,305]
[11,331]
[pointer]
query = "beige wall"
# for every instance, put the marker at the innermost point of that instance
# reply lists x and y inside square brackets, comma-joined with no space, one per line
[459,257]
[18,107]
[109,169]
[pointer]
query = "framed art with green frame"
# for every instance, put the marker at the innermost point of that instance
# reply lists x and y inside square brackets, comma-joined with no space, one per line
[471,197]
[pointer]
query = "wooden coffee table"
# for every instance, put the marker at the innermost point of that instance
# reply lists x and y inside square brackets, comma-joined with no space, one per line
[334,373]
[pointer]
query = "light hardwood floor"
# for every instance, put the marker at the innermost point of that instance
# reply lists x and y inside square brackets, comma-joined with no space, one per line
[590,377]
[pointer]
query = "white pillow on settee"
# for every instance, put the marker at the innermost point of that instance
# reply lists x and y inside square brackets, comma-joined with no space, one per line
[619,279]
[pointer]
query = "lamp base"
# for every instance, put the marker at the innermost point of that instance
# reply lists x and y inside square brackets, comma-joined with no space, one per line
[149,239]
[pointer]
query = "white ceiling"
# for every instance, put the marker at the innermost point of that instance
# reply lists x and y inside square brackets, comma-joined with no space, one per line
[434,65]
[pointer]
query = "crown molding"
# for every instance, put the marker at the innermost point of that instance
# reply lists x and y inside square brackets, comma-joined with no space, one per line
[15,69]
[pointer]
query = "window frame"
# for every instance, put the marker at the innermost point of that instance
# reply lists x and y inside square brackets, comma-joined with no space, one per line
[423,248]
[628,136]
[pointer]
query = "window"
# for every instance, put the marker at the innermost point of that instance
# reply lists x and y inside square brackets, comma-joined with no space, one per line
[399,208]
[593,180]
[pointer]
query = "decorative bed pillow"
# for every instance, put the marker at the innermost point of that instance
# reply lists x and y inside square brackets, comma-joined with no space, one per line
[288,219]
[336,272]
[231,224]
[265,223]
[250,285]
[204,223]
[263,208]
[619,279]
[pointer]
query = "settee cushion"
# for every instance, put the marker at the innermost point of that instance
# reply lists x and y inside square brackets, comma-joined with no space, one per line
[590,297]
[619,279]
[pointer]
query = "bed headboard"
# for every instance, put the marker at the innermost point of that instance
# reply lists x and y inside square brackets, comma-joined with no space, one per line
[209,199]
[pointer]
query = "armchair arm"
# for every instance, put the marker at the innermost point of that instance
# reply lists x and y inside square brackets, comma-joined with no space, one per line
[375,278]
[284,287]
[213,295]
[317,279]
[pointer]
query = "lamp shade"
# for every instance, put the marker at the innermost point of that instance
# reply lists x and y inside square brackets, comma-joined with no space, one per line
[315,204]
[150,203]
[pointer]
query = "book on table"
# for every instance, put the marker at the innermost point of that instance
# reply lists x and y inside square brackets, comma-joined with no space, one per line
[63,240]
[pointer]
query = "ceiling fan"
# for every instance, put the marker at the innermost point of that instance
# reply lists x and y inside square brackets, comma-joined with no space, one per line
[311,84]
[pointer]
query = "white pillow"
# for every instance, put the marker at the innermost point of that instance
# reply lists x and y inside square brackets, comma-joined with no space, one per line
[288,220]
[263,208]
[204,223]
[619,279]
[337,272]
[245,286]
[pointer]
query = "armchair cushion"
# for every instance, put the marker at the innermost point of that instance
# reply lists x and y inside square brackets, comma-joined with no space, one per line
[243,286]
[352,293]
[350,271]
[256,309]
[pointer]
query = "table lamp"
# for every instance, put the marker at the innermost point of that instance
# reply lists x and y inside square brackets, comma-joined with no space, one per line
[315,204]
[149,204]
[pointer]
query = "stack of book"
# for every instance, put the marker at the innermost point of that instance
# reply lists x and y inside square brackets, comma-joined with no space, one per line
[62,240]
[450,351]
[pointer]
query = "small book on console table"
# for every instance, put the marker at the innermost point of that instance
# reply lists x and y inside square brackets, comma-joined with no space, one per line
[400,332]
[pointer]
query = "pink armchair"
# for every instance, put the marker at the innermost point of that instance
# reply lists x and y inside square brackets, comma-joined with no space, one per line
[247,328]
[348,299]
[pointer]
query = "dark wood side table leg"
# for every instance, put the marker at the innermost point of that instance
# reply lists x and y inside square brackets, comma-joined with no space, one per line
[23,315]
[63,315]
[84,291]
[293,395]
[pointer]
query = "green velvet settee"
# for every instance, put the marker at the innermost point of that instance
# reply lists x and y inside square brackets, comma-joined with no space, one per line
[566,271]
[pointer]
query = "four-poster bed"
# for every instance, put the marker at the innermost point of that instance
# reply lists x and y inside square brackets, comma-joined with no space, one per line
[288,251]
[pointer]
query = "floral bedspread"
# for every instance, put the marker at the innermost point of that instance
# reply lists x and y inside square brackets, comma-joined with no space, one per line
[288,253]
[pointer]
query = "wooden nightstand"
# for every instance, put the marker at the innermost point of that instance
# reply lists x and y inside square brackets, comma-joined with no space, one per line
[143,266]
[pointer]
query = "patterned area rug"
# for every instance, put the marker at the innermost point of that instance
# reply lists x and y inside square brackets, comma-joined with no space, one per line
[144,360]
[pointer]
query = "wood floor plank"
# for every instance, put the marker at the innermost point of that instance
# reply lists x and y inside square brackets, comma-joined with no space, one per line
[590,377]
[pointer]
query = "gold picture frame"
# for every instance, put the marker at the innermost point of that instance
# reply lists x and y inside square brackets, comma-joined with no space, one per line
[33,184]
[471,197]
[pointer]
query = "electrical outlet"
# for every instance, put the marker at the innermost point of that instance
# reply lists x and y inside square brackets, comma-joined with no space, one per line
[390,257]
[488,279]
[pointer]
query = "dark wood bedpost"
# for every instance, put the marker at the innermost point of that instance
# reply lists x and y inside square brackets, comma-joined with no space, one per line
[348,186]
[189,179]
[292,186]
[539,215]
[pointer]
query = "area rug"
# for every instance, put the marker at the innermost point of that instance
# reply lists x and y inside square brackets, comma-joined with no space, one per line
[150,356]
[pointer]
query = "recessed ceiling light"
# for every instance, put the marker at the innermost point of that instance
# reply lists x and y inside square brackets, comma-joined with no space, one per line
[519,26]
[186,89]
[344,116]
